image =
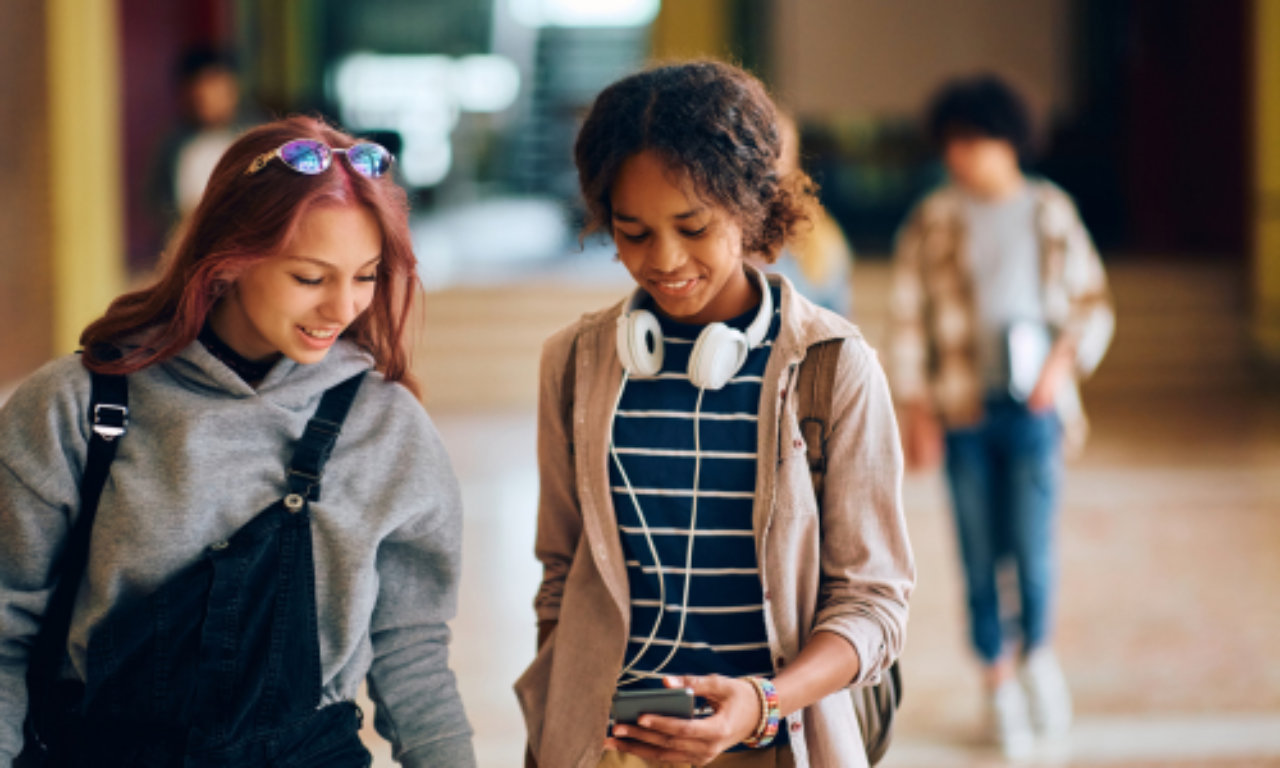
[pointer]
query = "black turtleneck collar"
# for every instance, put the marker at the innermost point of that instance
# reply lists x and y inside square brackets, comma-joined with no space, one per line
[248,370]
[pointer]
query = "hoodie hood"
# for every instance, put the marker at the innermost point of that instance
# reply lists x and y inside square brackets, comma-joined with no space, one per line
[288,384]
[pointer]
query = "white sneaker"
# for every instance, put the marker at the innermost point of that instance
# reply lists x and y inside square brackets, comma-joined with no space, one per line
[1048,697]
[1010,723]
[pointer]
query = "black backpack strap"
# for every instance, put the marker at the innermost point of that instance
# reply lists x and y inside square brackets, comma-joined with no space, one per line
[108,420]
[814,392]
[313,448]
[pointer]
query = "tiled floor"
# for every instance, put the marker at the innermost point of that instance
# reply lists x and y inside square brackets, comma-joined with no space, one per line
[1170,610]
[1169,631]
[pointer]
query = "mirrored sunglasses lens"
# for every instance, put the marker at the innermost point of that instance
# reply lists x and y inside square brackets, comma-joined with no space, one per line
[305,156]
[369,160]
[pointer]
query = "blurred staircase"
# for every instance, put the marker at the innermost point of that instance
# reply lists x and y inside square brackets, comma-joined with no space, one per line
[479,347]
[1181,329]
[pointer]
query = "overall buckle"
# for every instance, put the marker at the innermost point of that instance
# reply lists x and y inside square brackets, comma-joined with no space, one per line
[110,421]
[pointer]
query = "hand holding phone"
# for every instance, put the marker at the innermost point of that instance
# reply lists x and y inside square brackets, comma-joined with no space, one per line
[682,734]
[628,706]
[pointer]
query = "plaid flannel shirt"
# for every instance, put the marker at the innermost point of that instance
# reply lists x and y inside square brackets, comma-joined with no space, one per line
[933,318]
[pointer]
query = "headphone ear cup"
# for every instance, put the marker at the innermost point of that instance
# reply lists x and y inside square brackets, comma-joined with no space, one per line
[717,355]
[636,332]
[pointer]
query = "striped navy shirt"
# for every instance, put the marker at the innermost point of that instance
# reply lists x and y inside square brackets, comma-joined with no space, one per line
[653,432]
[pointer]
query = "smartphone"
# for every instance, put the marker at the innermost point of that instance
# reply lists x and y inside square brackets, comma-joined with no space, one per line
[1027,348]
[628,706]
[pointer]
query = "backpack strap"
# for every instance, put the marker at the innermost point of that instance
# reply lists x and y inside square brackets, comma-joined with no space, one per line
[109,421]
[312,450]
[814,392]
[876,706]
[568,382]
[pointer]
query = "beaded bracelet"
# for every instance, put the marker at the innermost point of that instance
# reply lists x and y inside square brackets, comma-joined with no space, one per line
[764,708]
[770,714]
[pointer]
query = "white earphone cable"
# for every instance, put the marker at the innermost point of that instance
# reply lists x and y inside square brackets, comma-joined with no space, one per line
[644,525]
[662,577]
[693,528]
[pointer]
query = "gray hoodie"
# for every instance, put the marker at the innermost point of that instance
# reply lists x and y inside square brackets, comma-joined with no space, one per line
[204,454]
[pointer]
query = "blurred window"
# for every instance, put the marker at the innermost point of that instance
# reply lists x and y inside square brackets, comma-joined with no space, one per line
[584,13]
[420,97]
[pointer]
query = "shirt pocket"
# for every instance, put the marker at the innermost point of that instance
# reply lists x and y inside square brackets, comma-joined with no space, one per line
[794,497]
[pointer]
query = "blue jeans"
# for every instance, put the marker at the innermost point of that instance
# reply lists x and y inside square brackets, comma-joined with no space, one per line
[1005,473]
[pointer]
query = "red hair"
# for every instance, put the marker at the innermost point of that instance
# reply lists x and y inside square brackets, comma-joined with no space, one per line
[243,220]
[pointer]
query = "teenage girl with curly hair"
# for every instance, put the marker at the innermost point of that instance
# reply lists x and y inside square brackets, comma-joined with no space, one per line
[682,541]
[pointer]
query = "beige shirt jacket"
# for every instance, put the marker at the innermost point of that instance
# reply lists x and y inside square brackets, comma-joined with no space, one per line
[843,566]
[933,317]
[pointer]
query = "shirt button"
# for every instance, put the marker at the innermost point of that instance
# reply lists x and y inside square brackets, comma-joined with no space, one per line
[797,444]
[779,663]
[795,727]
[768,595]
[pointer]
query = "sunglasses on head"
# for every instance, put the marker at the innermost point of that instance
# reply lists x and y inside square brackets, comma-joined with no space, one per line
[312,157]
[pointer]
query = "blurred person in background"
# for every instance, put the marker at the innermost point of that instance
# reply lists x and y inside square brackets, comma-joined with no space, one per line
[999,305]
[819,261]
[209,92]
[684,544]
[281,520]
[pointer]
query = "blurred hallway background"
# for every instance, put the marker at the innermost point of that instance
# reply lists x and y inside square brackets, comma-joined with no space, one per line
[1161,118]
[1171,537]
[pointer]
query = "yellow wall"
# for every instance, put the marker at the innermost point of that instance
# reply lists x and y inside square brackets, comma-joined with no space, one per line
[1266,257]
[687,29]
[285,71]
[25,277]
[87,238]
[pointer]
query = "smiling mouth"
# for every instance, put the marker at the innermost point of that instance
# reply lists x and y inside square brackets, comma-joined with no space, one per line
[320,334]
[676,287]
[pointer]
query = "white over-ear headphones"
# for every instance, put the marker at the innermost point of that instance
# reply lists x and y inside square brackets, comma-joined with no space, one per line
[718,353]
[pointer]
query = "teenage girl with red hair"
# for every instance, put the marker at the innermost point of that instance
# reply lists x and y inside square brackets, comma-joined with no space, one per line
[280,521]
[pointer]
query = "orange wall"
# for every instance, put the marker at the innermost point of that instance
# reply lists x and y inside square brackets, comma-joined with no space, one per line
[884,57]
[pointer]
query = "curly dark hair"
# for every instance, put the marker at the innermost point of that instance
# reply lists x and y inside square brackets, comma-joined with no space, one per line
[983,105]
[710,120]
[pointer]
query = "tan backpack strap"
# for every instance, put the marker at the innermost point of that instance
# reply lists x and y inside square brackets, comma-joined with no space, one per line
[568,382]
[876,705]
[815,389]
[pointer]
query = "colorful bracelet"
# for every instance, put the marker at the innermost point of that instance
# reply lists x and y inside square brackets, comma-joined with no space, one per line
[770,714]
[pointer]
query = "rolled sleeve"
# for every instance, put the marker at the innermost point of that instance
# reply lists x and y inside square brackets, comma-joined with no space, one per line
[440,753]
[1090,322]
[908,343]
[419,708]
[868,570]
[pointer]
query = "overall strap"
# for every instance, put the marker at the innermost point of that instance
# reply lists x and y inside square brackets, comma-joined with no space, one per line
[313,448]
[815,390]
[109,420]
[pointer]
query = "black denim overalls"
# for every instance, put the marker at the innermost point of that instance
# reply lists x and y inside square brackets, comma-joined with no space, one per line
[221,665]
